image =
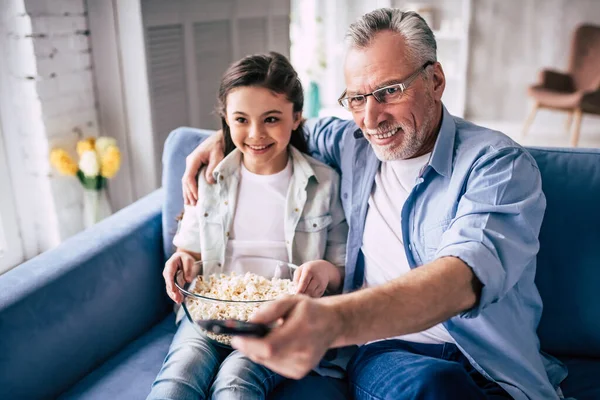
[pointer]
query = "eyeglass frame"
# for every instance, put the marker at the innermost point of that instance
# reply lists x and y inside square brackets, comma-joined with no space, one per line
[402,85]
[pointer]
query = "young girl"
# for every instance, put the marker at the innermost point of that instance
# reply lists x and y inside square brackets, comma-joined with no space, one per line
[270,199]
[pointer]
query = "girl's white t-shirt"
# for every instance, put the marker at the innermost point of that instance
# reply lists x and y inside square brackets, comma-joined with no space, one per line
[258,222]
[383,246]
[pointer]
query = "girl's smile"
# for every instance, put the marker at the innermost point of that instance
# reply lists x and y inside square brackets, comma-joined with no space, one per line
[261,124]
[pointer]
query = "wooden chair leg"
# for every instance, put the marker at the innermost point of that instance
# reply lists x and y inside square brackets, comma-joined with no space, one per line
[569,121]
[530,119]
[576,131]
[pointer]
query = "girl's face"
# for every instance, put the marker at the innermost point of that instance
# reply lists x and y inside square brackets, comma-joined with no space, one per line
[261,124]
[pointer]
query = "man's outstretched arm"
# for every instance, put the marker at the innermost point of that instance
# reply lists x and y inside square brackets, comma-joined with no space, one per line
[413,302]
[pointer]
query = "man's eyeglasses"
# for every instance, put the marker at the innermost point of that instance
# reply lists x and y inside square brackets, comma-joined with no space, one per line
[388,94]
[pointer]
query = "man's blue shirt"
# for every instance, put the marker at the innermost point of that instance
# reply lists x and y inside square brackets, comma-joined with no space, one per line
[479,199]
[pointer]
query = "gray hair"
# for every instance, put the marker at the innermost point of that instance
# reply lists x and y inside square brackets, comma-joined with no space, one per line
[419,38]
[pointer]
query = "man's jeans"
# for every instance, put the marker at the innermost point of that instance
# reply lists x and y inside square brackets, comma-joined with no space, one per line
[197,369]
[396,369]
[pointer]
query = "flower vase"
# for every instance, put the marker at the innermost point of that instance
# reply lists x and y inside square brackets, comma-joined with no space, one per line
[95,206]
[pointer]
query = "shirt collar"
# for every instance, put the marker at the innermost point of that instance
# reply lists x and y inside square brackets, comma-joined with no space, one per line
[301,165]
[442,157]
[231,165]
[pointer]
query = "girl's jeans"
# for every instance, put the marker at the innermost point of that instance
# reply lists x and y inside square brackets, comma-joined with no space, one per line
[196,369]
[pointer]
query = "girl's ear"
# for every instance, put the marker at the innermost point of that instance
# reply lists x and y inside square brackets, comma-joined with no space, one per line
[297,119]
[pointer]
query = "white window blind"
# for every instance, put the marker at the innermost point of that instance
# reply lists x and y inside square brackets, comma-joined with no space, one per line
[212,56]
[166,73]
[252,35]
[190,44]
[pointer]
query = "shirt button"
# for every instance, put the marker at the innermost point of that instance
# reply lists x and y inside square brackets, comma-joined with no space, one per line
[314,225]
[221,178]
[206,214]
[287,242]
[345,196]
[227,234]
[226,202]
[296,209]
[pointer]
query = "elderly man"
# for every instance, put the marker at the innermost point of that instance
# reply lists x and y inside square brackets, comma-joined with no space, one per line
[444,219]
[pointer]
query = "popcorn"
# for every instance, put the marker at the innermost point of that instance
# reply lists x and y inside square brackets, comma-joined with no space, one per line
[249,289]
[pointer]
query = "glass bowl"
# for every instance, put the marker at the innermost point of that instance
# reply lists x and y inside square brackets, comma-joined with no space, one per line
[238,287]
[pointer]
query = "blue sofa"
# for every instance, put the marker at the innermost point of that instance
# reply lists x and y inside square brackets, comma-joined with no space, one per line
[90,319]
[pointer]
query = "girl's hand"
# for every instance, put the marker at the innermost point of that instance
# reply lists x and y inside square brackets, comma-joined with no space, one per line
[180,260]
[314,277]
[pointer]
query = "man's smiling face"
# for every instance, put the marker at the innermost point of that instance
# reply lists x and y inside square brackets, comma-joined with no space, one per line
[400,130]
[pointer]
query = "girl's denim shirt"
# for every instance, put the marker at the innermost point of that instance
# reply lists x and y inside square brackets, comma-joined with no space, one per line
[315,226]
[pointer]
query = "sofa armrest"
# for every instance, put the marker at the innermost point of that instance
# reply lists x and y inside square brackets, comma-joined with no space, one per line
[558,81]
[69,309]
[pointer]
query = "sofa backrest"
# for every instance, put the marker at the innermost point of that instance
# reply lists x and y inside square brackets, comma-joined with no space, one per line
[568,274]
[568,270]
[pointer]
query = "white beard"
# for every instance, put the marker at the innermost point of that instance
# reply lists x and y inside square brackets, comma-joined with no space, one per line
[404,147]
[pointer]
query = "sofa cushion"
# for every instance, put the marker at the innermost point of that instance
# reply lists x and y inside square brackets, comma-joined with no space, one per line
[582,382]
[129,374]
[568,270]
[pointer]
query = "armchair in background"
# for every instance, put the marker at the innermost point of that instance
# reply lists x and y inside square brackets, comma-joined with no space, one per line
[578,90]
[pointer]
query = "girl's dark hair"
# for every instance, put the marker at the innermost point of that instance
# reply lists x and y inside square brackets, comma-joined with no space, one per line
[271,71]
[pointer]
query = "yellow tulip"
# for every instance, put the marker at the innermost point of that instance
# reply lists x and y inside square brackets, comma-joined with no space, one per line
[62,161]
[103,143]
[86,144]
[110,162]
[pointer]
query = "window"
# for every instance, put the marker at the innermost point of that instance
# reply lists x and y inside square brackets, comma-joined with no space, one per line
[318,29]
[11,247]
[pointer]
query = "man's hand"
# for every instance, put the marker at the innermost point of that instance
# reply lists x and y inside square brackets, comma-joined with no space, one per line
[210,153]
[314,277]
[309,329]
[180,260]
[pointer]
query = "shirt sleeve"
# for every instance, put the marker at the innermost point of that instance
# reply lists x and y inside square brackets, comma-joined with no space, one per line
[188,231]
[497,223]
[337,233]
[325,139]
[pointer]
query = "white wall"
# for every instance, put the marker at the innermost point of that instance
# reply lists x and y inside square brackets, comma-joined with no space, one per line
[510,42]
[46,100]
